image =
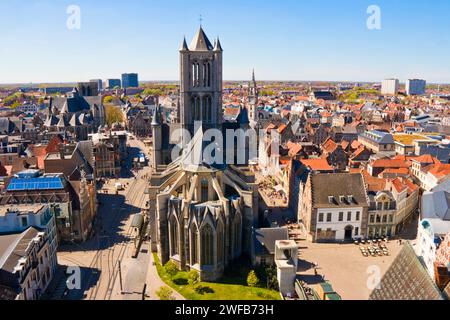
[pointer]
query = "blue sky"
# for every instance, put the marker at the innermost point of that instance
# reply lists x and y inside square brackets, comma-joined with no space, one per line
[282,40]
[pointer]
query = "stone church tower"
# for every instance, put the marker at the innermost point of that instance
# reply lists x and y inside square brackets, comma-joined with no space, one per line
[201,83]
[201,216]
[253,96]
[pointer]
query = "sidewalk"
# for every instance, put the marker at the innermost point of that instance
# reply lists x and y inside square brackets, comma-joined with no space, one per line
[137,272]
[154,283]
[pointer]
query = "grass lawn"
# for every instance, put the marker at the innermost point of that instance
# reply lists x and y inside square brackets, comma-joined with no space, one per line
[227,289]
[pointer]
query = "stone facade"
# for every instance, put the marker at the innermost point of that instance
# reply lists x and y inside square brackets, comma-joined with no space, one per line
[201,215]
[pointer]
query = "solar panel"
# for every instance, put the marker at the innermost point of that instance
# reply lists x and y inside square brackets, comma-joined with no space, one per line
[35,184]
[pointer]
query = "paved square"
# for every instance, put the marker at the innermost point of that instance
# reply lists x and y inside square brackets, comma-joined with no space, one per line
[344,266]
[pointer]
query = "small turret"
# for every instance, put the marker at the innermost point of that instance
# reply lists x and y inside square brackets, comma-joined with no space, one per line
[218,46]
[184,46]
[157,138]
[156,119]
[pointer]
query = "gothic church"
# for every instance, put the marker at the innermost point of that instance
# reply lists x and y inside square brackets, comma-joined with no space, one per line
[201,216]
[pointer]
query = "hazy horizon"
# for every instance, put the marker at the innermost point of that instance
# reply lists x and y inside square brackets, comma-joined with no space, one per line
[284,41]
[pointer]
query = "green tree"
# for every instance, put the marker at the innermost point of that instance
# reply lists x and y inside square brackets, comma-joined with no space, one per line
[165,293]
[107,99]
[113,115]
[252,279]
[193,278]
[15,105]
[271,278]
[153,92]
[171,269]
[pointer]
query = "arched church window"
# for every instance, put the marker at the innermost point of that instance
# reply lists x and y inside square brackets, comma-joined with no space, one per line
[205,75]
[173,234]
[209,74]
[196,108]
[207,107]
[205,190]
[194,245]
[207,246]
[237,233]
[197,71]
[220,242]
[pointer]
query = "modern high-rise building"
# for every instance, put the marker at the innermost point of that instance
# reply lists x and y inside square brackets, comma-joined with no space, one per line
[113,83]
[415,87]
[390,86]
[130,80]
[99,83]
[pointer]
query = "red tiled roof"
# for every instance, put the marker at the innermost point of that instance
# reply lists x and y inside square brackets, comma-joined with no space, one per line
[440,170]
[426,158]
[411,186]
[390,163]
[282,128]
[317,164]
[295,149]
[53,144]
[356,144]
[358,152]
[329,146]
[345,144]
[374,183]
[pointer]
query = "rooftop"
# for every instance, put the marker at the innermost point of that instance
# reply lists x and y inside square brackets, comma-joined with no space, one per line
[407,279]
[21,208]
[408,139]
[42,183]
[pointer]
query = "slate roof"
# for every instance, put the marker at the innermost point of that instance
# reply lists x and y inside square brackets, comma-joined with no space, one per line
[379,137]
[336,185]
[436,205]
[9,125]
[76,103]
[265,239]
[407,279]
[201,42]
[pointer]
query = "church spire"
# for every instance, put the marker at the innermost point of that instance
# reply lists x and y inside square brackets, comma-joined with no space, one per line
[184,46]
[201,42]
[218,46]
[156,120]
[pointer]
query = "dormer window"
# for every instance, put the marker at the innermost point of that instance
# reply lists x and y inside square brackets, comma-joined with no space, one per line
[341,199]
[331,199]
[350,198]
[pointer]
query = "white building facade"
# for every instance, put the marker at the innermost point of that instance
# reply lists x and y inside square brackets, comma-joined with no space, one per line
[390,86]
[344,222]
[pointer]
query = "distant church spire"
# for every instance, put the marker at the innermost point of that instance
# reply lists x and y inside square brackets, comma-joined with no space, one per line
[253,96]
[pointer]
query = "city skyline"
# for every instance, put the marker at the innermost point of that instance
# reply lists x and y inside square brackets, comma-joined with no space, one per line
[330,44]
